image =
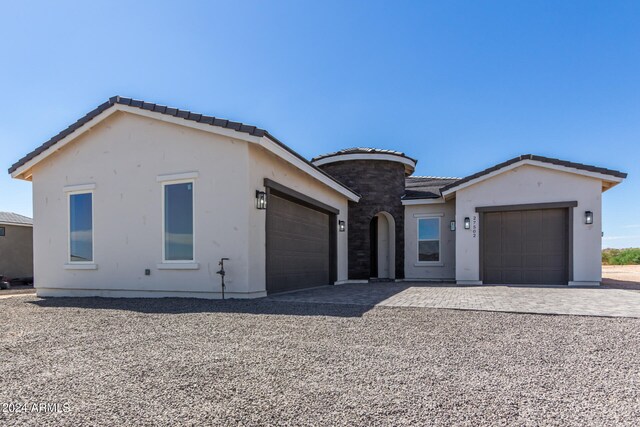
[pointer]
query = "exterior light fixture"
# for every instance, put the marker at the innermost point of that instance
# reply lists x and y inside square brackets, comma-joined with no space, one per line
[588,217]
[452,225]
[467,223]
[342,226]
[261,200]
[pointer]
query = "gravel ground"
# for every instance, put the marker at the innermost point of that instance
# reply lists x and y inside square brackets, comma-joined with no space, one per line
[190,362]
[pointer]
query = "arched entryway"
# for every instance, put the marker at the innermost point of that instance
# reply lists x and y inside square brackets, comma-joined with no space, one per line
[382,237]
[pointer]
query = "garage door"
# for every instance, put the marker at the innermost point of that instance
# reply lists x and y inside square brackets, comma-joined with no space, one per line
[525,247]
[298,245]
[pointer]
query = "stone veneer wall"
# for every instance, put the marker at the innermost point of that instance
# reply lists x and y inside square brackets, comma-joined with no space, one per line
[381,184]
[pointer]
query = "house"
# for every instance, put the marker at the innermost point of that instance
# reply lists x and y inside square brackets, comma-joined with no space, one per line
[138,199]
[16,246]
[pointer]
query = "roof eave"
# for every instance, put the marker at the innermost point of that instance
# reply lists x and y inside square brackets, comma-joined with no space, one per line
[614,177]
[22,169]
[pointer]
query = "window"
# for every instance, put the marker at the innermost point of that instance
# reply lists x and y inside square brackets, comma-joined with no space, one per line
[1,231]
[429,240]
[81,227]
[177,234]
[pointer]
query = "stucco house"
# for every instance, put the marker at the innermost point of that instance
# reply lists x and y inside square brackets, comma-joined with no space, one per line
[138,199]
[16,246]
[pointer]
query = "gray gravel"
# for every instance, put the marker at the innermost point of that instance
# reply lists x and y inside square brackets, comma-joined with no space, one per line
[189,362]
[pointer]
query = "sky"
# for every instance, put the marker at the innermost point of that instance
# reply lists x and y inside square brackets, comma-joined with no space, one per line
[460,85]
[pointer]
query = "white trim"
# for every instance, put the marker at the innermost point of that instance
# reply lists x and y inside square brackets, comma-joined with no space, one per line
[469,282]
[231,133]
[365,156]
[173,265]
[177,176]
[93,229]
[437,201]
[64,141]
[429,263]
[596,175]
[80,266]
[428,215]
[79,187]
[193,222]
[16,224]
[262,141]
[279,151]
[418,218]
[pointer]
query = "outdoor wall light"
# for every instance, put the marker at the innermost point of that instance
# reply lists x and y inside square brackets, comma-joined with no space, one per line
[261,200]
[452,225]
[342,226]
[588,217]
[467,223]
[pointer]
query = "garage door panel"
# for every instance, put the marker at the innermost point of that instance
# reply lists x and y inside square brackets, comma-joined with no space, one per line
[525,247]
[493,275]
[533,261]
[298,248]
[512,260]
[533,276]
[554,261]
[512,276]
[512,232]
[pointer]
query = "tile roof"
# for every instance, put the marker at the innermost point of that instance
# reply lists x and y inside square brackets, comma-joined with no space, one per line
[14,218]
[542,159]
[363,150]
[163,109]
[425,187]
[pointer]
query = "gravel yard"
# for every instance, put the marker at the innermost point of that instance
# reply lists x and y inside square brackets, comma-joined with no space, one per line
[190,362]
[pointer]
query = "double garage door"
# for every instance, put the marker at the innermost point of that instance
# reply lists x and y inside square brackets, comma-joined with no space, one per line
[525,247]
[299,244]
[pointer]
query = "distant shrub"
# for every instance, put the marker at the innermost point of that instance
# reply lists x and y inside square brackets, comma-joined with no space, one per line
[621,256]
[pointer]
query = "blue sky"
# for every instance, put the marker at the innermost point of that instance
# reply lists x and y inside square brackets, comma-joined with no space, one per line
[459,85]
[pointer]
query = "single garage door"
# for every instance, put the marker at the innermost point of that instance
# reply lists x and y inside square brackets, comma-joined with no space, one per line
[525,247]
[298,245]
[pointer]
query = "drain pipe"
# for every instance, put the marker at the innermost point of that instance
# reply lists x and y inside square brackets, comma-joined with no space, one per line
[222,273]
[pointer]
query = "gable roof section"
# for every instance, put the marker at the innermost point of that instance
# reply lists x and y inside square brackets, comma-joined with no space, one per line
[249,130]
[615,176]
[425,187]
[14,218]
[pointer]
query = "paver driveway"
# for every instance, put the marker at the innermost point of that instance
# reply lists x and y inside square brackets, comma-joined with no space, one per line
[517,299]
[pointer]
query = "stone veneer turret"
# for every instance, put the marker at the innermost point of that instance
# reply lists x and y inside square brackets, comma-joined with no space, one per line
[379,177]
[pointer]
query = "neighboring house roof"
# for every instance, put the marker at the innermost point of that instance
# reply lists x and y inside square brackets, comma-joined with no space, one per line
[363,150]
[425,187]
[14,218]
[615,175]
[170,111]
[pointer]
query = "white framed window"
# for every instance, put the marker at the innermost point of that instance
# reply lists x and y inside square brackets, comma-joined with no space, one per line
[178,222]
[429,240]
[80,231]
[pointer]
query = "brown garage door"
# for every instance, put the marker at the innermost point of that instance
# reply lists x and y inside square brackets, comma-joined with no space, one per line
[525,247]
[298,245]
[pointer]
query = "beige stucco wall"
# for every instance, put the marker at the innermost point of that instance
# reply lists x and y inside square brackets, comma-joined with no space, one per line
[445,269]
[263,164]
[123,156]
[16,251]
[533,184]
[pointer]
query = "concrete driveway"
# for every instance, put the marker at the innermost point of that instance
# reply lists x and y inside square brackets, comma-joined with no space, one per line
[601,301]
